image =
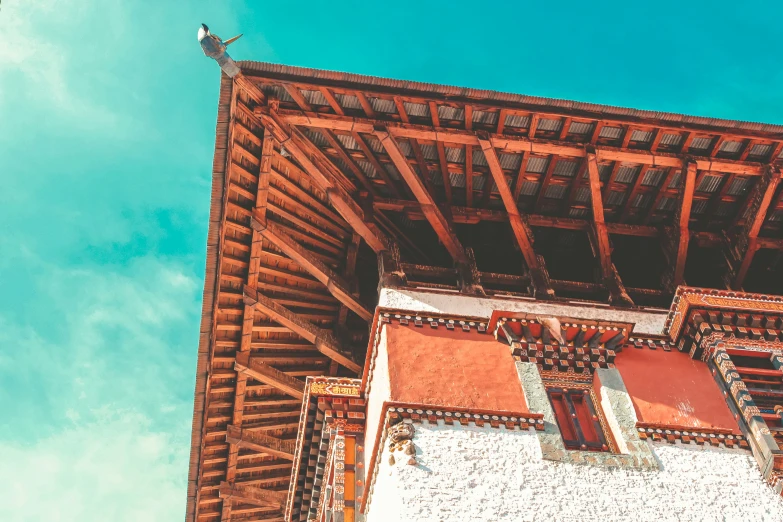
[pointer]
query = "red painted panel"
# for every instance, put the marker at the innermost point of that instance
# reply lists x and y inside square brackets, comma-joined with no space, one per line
[671,388]
[452,368]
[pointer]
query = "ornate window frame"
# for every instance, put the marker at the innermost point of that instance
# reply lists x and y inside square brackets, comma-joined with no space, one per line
[630,451]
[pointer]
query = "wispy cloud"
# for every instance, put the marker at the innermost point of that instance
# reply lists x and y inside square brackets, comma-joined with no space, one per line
[116,467]
[34,61]
[101,403]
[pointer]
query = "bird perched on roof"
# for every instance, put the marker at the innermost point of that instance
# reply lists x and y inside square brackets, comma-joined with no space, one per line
[552,324]
[215,48]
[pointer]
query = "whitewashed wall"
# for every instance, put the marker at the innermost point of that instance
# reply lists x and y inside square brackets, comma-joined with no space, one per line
[471,474]
[645,321]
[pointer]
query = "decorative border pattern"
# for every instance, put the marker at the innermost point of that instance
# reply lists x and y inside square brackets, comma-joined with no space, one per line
[450,416]
[686,435]
[339,388]
[686,297]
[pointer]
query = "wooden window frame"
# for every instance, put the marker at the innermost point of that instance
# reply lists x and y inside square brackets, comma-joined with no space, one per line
[579,417]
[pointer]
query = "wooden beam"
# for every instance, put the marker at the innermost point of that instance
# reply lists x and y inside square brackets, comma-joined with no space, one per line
[522,233]
[617,293]
[550,169]
[428,206]
[742,244]
[633,192]
[323,340]
[469,175]
[516,144]
[331,138]
[260,442]
[332,101]
[444,170]
[681,232]
[314,266]
[267,374]
[470,216]
[370,155]
[252,495]
[302,151]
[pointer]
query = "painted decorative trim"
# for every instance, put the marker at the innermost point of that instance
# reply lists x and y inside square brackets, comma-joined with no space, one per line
[687,297]
[419,413]
[687,435]
[340,389]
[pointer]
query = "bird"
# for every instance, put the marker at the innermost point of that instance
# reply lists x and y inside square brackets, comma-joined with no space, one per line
[214,47]
[553,325]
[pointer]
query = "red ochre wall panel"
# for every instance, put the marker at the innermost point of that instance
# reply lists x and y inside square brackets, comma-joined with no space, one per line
[670,388]
[452,368]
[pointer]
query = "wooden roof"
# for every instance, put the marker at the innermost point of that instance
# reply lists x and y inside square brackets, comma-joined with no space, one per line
[326,183]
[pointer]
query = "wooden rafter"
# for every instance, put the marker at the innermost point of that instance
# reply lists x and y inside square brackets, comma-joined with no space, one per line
[743,243]
[680,236]
[517,144]
[444,170]
[522,232]
[262,372]
[314,266]
[323,340]
[302,151]
[370,155]
[248,314]
[617,292]
[348,160]
[465,215]
[550,169]
[260,442]
[423,196]
[633,192]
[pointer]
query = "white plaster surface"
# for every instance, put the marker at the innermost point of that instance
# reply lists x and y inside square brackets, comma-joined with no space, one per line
[646,322]
[471,474]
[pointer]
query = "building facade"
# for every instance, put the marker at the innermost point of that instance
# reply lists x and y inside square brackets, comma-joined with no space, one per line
[437,303]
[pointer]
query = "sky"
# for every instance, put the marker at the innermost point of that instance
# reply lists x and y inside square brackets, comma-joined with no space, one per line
[107,121]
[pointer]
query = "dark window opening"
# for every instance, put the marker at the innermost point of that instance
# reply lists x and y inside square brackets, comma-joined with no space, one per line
[578,419]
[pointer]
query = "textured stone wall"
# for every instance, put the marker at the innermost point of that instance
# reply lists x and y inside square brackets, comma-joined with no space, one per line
[465,473]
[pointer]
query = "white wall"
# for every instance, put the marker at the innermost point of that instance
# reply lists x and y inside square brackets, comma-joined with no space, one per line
[645,321]
[471,474]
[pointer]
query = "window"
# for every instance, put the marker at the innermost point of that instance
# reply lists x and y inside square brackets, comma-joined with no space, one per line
[579,421]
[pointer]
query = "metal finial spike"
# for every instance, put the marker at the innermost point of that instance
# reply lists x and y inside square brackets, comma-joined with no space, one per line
[232,40]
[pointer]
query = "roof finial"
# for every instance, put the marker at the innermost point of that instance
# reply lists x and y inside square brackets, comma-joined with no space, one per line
[214,47]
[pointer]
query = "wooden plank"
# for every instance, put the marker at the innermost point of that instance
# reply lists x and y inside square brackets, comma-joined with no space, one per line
[333,282]
[521,232]
[323,340]
[252,495]
[267,374]
[428,206]
[260,442]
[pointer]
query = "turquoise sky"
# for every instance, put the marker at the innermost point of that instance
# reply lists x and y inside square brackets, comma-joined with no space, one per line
[107,118]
